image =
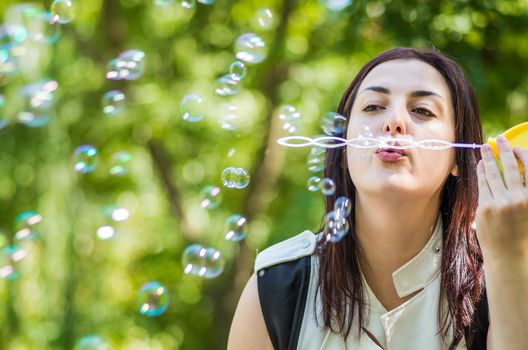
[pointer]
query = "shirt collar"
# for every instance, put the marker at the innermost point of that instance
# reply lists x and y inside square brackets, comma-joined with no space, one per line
[421,269]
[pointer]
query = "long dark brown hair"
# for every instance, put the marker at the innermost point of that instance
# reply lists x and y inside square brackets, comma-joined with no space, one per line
[462,283]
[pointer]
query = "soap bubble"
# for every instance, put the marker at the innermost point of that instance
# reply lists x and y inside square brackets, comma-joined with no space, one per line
[211,197]
[153,299]
[316,159]
[235,228]
[10,256]
[336,227]
[265,18]
[314,183]
[235,177]
[91,342]
[202,261]
[105,232]
[192,108]
[62,11]
[26,225]
[119,163]
[85,159]
[342,207]
[250,48]
[290,118]
[228,116]
[206,2]
[226,85]
[120,214]
[336,5]
[113,102]
[328,186]
[333,124]
[38,102]
[238,70]
[128,65]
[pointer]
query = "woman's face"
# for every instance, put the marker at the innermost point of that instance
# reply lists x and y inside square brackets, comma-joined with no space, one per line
[406,99]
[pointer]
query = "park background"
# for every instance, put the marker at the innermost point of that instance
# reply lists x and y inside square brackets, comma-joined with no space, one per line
[72,284]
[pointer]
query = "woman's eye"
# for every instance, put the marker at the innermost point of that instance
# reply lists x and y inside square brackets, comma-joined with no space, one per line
[371,108]
[423,111]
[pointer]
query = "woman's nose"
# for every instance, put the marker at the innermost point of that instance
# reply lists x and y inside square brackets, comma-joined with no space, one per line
[396,124]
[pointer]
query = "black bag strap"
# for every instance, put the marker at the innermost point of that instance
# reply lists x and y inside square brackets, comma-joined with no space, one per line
[283,290]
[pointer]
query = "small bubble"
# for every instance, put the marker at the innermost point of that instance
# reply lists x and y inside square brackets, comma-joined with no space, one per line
[211,197]
[206,2]
[38,99]
[188,4]
[114,102]
[153,299]
[119,163]
[91,342]
[26,225]
[265,18]
[336,227]
[250,48]
[235,228]
[231,153]
[238,70]
[85,159]
[290,118]
[333,124]
[314,183]
[235,177]
[316,159]
[342,207]
[226,85]
[192,108]
[202,261]
[10,256]
[328,186]
[228,116]
[128,65]
[62,11]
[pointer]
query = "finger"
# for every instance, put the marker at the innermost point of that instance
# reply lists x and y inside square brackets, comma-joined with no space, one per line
[484,190]
[510,167]
[492,173]
[522,156]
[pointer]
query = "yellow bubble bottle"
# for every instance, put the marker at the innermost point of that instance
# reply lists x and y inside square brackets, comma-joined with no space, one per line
[517,136]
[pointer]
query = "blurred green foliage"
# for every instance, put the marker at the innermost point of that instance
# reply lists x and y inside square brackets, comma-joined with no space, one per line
[72,284]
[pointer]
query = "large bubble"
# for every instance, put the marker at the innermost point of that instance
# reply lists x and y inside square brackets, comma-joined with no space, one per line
[235,177]
[62,11]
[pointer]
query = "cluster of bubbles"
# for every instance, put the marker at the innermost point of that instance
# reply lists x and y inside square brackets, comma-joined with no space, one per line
[336,221]
[28,27]
[326,185]
[86,160]
[201,261]
[27,229]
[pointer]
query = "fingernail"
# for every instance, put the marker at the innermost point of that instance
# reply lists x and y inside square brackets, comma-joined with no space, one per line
[502,139]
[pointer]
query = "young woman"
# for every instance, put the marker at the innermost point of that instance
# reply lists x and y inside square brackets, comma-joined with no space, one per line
[436,255]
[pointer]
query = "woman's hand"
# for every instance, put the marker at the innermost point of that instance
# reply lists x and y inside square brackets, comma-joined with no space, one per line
[502,214]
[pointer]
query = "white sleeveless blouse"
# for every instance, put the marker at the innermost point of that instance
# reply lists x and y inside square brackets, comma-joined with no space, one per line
[412,325]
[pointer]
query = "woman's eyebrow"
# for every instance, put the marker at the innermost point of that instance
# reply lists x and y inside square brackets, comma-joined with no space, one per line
[417,93]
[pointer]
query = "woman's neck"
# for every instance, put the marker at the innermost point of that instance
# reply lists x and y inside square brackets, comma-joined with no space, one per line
[391,233]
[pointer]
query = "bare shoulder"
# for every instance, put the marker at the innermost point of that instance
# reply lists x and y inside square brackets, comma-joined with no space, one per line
[248,329]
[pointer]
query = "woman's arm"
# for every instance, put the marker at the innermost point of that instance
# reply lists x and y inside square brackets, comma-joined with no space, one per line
[502,230]
[248,330]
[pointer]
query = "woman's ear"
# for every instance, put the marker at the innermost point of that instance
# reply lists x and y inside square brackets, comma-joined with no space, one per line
[454,171]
